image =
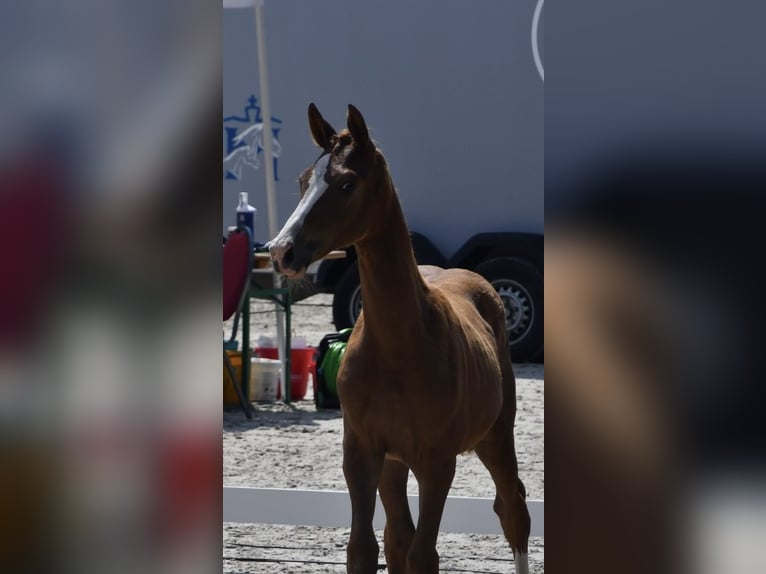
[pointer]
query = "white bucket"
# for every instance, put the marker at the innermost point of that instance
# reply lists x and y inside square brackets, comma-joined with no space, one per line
[264,379]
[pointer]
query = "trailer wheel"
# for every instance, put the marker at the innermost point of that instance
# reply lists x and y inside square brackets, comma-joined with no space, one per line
[347,301]
[520,286]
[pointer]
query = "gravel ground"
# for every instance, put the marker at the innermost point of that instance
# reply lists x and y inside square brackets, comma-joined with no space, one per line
[297,447]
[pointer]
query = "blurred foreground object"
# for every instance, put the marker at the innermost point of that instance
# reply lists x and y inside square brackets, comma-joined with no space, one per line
[654,143]
[110,186]
[655,409]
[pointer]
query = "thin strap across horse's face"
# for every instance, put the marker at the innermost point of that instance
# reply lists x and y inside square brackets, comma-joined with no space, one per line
[333,211]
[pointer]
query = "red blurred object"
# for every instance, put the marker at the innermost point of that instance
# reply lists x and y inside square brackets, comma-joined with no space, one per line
[301,364]
[237,263]
[236,268]
[190,483]
[33,218]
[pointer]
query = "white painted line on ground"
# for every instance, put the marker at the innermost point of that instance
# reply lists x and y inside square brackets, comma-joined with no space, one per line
[332,508]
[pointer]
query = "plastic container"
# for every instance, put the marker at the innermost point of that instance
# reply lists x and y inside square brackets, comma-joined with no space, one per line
[301,365]
[246,213]
[264,379]
[229,394]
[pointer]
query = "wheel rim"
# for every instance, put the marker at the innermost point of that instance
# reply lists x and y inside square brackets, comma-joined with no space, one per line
[355,304]
[519,310]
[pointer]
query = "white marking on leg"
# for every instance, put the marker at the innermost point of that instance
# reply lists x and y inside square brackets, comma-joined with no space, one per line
[521,562]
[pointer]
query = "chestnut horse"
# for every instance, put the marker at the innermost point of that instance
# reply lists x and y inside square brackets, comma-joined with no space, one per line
[427,372]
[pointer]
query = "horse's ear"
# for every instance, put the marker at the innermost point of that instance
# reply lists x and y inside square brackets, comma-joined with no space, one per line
[357,127]
[321,130]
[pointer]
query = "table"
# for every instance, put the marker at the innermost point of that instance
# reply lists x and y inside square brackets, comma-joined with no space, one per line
[282,299]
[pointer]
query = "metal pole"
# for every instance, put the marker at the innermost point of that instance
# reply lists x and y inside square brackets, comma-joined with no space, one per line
[268,134]
[268,160]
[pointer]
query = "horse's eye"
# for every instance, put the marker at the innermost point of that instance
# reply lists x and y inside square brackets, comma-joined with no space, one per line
[347,187]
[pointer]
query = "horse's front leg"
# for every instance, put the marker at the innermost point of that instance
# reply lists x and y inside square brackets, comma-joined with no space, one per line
[397,537]
[362,465]
[434,476]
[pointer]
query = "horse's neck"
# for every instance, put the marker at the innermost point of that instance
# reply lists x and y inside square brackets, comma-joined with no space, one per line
[392,287]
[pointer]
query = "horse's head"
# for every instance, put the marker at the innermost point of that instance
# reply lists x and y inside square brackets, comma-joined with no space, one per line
[340,195]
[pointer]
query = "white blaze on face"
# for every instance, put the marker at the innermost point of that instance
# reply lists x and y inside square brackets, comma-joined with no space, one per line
[316,188]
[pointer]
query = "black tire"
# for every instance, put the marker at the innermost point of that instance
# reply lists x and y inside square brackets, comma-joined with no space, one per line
[347,302]
[520,285]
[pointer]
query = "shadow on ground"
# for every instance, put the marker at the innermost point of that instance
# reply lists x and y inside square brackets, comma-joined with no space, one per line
[277,415]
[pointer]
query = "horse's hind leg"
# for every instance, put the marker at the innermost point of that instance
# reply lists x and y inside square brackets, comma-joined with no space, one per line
[497,453]
[397,536]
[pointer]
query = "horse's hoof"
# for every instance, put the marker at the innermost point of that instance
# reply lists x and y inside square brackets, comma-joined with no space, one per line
[423,563]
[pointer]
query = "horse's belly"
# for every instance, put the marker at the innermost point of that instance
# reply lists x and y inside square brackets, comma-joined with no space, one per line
[408,413]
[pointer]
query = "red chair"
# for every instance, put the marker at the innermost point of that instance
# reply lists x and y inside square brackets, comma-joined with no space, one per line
[237,264]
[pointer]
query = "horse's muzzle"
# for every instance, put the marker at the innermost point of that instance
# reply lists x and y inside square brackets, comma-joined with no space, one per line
[284,258]
[282,255]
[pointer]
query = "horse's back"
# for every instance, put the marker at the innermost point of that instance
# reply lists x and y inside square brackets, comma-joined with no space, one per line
[458,280]
[468,290]
[465,284]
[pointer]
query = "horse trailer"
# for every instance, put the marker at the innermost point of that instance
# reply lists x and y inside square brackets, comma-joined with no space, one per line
[453,95]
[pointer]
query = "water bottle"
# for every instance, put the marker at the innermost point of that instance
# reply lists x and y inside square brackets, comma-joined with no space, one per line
[246,213]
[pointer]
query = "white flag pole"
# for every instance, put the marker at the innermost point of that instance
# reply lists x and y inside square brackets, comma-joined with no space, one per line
[268,160]
[268,146]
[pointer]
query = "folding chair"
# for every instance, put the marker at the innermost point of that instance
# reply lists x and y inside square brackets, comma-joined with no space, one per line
[237,265]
